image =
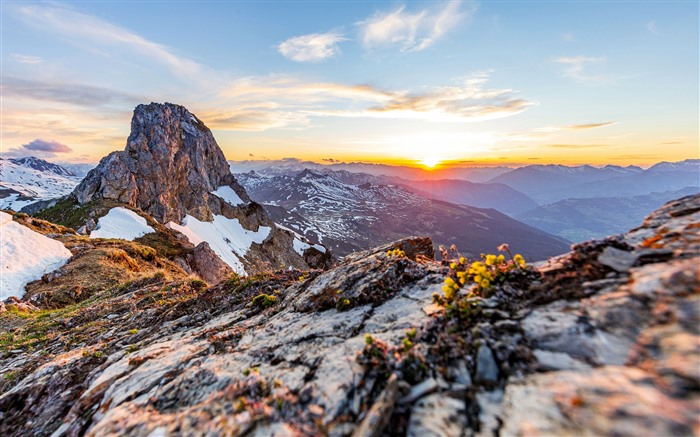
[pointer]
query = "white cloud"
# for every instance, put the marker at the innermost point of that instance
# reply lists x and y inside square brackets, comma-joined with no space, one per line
[26,59]
[281,102]
[575,67]
[314,47]
[651,27]
[83,27]
[412,31]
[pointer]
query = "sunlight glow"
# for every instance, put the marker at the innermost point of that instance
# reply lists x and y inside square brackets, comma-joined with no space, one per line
[431,162]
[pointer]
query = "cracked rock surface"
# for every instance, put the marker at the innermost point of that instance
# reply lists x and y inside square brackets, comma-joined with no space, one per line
[579,345]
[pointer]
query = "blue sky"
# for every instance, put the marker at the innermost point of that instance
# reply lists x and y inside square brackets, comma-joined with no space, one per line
[410,82]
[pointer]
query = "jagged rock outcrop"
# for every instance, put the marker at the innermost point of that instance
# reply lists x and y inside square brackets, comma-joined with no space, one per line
[600,341]
[209,266]
[172,168]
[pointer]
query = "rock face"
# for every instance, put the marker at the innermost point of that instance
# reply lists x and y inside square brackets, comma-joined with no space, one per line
[571,347]
[209,266]
[171,168]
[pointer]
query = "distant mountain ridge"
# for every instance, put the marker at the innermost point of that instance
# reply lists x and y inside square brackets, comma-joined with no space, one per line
[590,218]
[354,217]
[41,165]
[24,181]
[552,183]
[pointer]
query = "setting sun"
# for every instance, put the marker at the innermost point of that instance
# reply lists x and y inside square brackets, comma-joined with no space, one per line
[430,162]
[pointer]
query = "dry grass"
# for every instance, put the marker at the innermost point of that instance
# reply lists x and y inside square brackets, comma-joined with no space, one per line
[98,265]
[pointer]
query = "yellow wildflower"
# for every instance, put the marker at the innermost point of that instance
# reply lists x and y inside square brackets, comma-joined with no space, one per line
[484,283]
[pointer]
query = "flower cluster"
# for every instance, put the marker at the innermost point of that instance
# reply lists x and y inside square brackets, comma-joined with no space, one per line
[492,269]
[396,253]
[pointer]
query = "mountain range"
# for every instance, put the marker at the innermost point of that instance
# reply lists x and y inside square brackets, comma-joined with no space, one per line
[351,217]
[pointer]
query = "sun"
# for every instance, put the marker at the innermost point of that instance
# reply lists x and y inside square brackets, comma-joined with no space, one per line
[430,162]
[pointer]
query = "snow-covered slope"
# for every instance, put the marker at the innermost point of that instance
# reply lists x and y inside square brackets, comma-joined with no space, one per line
[227,238]
[349,218]
[42,166]
[21,185]
[121,223]
[25,256]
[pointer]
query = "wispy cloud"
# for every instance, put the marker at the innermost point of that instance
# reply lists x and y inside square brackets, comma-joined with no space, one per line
[26,59]
[284,102]
[82,95]
[39,148]
[577,146]
[413,31]
[589,125]
[67,22]
[575,67]
[651,27]
[314,47]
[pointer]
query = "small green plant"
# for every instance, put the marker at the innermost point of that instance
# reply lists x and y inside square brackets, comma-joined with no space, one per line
[264,301]
[233,282]
[198,284]
[132,348]
[248,370]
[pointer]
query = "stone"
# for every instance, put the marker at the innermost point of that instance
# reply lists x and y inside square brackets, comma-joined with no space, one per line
[419,390]
[378,416]
[618,260]
[208,264]
[619,359]
[486,367]
[437,415]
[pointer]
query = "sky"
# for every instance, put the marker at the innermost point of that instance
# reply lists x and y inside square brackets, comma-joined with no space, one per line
[414,83]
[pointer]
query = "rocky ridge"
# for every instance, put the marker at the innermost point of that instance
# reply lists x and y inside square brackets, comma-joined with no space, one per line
[600,341]
[172,168]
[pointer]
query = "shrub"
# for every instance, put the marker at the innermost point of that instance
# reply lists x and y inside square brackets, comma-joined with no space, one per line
[264,301]
[198,284]
[147,253]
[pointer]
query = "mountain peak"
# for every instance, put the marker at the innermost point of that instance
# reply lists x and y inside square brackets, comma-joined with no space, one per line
[169,168]
[41,165]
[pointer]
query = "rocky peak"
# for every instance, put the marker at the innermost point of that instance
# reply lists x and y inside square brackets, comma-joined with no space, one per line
[169,167]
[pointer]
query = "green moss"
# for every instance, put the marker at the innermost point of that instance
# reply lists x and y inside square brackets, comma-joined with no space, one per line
[264,301]
[68,212]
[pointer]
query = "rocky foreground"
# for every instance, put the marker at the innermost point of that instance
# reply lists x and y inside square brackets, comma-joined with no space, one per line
[601,341]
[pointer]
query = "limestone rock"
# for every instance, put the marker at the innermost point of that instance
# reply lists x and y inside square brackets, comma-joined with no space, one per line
[575,348]
[209,266]
[170,166]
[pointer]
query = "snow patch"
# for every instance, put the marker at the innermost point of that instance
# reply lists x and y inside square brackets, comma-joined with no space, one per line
[25,256]
[228,195]
[226,237]
[121,223]
[300,247]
